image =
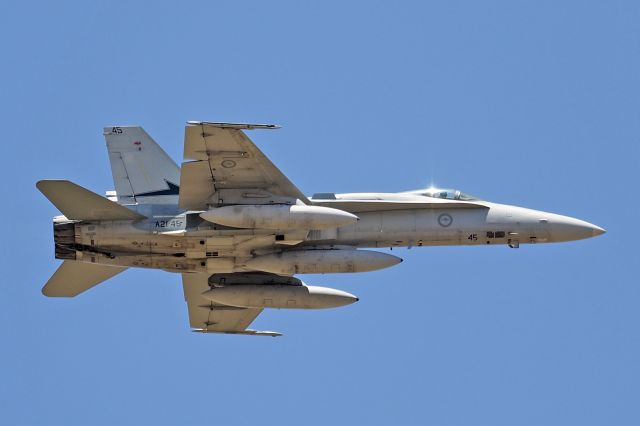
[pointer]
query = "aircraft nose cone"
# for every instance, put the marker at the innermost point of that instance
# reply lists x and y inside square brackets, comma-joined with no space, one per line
[564,228]
[598,231]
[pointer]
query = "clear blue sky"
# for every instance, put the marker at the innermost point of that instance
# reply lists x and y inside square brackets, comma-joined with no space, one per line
[528,103]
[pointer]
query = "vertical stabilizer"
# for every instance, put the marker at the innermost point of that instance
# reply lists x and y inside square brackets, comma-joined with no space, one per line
[142,172]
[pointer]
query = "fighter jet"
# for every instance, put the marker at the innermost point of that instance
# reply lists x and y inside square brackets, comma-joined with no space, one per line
[238,231]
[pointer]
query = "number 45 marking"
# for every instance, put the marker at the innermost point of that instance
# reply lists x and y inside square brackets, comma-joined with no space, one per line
[472,237]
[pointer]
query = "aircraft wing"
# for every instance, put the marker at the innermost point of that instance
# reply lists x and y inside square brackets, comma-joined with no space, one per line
[227,168]
[209,317]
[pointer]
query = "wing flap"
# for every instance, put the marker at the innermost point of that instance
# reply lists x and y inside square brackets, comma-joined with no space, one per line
[78,203]
[196,185]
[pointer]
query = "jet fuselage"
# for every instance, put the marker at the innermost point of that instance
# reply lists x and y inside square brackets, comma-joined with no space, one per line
[182,241]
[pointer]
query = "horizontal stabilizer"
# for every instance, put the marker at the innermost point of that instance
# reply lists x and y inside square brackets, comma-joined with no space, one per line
[78,203]
[72,278]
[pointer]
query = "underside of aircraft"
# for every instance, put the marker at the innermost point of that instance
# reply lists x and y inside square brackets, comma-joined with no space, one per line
[238,231]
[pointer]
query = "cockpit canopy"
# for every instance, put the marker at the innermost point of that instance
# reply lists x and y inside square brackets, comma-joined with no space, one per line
[448,194]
